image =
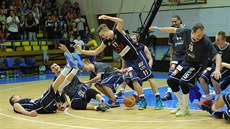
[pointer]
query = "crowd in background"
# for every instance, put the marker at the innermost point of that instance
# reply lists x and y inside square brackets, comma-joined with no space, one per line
[24,19]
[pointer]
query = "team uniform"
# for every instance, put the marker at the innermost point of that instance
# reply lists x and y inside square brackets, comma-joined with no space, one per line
[125,47]
[226,98]
[196,59]
[46,104]
[109,76]
[179,50]
[225,72]
[79,94]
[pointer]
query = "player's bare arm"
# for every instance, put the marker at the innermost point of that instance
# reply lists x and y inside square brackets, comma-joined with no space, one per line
[217,73]
[21,110]
[90,52]
[163,29]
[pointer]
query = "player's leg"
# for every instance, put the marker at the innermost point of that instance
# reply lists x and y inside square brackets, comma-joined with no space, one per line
[204,80]
[99,87]
[122,90]
[188,80]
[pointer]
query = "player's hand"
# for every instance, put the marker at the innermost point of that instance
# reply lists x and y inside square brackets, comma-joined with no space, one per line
[103,17]
[153,28]
[216,74]
[77,47]
[62,107]
[63,47]
[175,72]
[33,113]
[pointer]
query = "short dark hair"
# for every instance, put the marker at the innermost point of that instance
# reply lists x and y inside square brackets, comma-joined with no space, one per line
[86,60]
[222,33]
[178,17]
[11,101]
[52,64]
[198,26]
[101,27]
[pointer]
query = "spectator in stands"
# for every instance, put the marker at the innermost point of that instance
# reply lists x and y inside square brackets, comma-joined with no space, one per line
[80,43]
[13,23]
[2,20]
[31,27]
[80,21]
[36,15]
[22,29]
[76,8]
[64,9]
[73,30]
[71,14]
[64,31]
[91,45]
[87,33]
[49,24]
[24,10]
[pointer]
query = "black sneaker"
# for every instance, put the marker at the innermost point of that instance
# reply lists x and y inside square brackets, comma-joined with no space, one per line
[218,114]
[168,96]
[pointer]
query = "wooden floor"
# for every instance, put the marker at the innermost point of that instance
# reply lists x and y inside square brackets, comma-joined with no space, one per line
[116,118]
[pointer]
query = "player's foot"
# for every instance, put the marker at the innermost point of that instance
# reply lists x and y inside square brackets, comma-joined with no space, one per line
[159,105]
[206,108]
[182,112]
[205,102]
[102,107]
[143,104]
[114,104]
[120,93]
[218,114]
[178,107]
[137,98]
[70,60]
[76,57]
[168,96]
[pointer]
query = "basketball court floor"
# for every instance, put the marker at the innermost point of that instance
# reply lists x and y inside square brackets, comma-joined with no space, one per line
[115,118]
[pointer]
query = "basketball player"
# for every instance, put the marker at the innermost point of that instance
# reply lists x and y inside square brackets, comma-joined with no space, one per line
[206,78]
[198,49]
[123,45]
[47,103]
[80,94]
[106,79]
[177,51]
[146,54]
[220,102]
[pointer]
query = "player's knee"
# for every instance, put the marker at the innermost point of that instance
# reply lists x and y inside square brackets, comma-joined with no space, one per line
[184,86]
[78,104]
[172,83]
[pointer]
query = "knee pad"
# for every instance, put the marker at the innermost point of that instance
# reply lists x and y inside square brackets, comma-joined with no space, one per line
[78,104]
[173,84]
[184,86]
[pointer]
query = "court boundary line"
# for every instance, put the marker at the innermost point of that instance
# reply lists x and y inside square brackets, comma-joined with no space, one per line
[126,121]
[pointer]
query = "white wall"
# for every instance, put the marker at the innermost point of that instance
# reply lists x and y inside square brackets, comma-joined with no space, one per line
[214,19]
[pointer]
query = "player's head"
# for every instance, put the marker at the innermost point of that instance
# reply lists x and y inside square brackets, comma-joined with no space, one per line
[87,63]
[134,37]
[220,39]
[105,32]
[55,68]
[14,98]
[176,21]
[198,32]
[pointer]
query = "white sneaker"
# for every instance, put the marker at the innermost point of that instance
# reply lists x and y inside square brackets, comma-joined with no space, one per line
[182,112]
[178,107]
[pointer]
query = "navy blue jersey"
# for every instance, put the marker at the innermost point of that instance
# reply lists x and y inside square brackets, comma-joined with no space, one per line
[177,44]
[123,45]
[225,52]
[197,53]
